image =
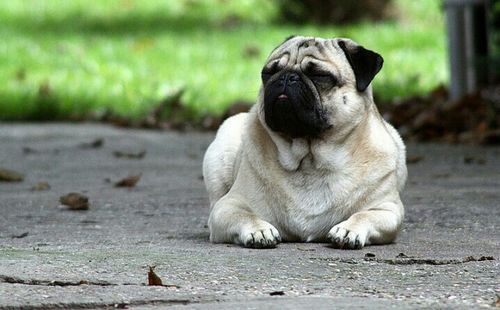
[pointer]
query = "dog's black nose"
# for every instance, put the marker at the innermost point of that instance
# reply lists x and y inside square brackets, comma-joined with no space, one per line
[288,78]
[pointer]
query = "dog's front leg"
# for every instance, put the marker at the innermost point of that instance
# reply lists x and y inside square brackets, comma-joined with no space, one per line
[377,225]
[231,220]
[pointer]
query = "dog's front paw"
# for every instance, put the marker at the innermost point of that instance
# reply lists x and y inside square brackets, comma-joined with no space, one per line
[344,238]
[261,236]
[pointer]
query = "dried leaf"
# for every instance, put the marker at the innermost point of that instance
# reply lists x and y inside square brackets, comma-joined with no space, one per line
[470,119]
[97,143]
[41,186]
[23,235]
[402,255]
[237,107]
[497,303]
[471,160]
[153,279]
[139,155]
[29,150]
[468,159]
[129,181]
[75,201]
[169,113]
[305,249]
[10,176]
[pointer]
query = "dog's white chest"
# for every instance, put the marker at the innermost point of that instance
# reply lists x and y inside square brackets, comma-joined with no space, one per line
[313,208]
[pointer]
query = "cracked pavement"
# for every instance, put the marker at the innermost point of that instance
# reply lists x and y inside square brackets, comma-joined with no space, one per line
[447,255]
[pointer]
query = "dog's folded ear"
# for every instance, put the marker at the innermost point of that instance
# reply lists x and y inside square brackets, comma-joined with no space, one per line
[365,63]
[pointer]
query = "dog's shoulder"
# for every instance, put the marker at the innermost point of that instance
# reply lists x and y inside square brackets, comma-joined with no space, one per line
[373,147]
[384,150]
[221,159]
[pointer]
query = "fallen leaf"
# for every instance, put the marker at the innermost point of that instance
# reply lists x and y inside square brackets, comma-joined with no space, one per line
[24,234]
[414,159]
[305,249]
[237,107]
[168,113]
[129,181]
[471,160]
[10,176]
[277,293]
[29,150]
[75,201]
[369,255]
[153,279]
[497,303]
[402,255]
[211,122]
[97,143]
[468,159]
[433,117]
[139,155]
[41,186]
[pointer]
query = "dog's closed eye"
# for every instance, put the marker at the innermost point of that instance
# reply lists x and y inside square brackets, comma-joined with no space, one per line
[326,79]
[319,75]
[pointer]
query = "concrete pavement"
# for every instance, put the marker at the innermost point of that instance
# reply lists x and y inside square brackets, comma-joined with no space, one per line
[447,256]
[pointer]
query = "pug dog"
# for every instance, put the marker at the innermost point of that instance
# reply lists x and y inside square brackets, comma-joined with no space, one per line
[313,160]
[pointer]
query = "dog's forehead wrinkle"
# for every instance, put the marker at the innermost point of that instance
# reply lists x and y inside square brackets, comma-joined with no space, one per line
[331,47]
[278,60]
[310,62]
[307,43]
[290,47]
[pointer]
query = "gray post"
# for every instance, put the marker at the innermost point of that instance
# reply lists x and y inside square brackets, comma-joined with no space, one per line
[467,44]
[456,50]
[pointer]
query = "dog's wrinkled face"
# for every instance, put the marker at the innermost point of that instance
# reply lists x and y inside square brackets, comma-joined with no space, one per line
[311,85]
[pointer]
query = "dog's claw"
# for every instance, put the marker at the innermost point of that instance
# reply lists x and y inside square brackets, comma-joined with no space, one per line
[342,238]
[262,239]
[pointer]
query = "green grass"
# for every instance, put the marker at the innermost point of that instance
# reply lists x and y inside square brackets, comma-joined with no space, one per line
[61,58]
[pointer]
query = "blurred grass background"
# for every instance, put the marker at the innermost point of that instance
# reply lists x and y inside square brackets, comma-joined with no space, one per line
[70,59]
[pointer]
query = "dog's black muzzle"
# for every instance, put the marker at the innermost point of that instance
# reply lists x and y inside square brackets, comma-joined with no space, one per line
[291,107]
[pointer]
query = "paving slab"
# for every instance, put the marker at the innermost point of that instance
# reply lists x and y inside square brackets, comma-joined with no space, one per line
[447,255]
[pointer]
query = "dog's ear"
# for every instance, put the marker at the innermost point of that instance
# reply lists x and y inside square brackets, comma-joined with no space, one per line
[365,63]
